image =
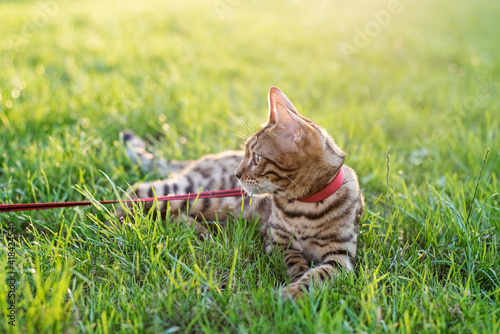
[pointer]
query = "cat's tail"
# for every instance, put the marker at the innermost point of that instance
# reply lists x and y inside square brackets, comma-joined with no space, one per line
[136,152]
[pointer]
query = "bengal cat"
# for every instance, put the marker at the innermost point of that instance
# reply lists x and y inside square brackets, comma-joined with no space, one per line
[293,168]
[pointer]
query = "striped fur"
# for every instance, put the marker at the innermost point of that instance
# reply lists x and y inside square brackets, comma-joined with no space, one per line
[291,157]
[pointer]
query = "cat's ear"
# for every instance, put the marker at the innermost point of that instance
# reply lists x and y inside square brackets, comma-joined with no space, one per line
[288,123]
[276,95]
[285,119]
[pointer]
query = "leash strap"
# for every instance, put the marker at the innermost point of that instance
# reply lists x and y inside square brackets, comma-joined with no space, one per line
[54,205]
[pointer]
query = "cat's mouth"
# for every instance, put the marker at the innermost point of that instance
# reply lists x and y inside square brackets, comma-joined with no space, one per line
[252,188]
[258,188]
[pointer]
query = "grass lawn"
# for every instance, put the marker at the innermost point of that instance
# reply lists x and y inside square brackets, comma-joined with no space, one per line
[409,89]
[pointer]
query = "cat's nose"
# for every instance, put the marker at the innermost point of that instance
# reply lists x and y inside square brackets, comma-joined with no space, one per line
[239,171]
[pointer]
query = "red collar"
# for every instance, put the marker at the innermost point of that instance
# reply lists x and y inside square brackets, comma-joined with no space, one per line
[328,191]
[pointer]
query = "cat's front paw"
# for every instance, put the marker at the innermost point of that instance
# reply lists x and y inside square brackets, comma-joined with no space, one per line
[295,291]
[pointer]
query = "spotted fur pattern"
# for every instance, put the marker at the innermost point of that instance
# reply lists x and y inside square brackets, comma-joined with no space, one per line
[211,172]
[290,158]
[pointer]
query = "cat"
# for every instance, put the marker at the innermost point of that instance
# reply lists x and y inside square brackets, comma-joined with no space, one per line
[309,203]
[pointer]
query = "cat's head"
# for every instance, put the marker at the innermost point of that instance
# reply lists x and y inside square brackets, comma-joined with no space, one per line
[290,156]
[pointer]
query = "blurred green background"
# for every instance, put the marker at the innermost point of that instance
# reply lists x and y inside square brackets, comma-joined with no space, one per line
[421,77]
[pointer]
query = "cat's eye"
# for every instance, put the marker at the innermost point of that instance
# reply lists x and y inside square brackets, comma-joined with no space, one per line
[257,158]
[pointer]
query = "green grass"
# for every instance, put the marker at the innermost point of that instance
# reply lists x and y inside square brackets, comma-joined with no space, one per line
[427,86]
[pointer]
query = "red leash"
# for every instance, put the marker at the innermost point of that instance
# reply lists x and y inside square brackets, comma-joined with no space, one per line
[330,189]
[54,205]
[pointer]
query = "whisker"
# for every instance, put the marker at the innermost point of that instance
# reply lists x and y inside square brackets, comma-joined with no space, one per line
[264,196]
[291,180]
[277,191]
[245,127]
[242,136]
[275,187]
